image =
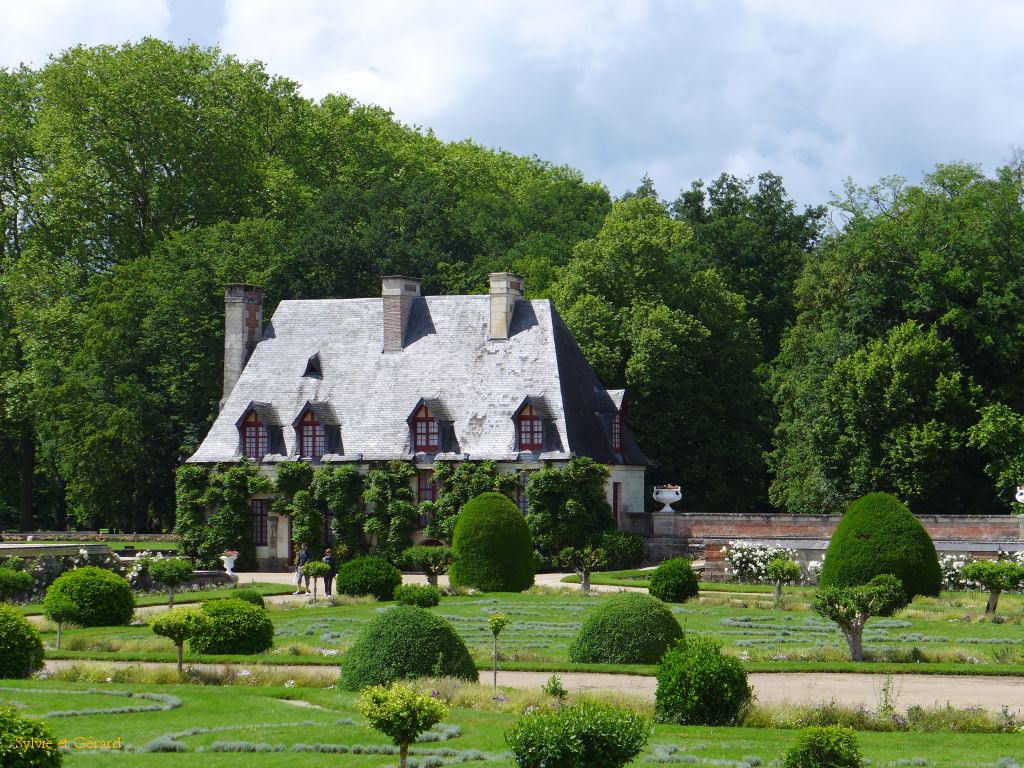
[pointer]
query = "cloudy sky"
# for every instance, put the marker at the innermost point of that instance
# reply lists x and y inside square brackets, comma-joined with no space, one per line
[814,91]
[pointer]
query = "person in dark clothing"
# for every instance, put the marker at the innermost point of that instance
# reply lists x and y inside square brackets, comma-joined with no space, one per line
[301,560]
[329,578]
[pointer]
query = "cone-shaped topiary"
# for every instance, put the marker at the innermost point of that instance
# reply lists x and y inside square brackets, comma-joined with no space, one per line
[491,546]
[21,648]
[404,642]
[628,628]
[877,535]
[100,598]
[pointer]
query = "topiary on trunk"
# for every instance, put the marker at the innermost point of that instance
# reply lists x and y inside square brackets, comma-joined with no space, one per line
[878,535]
[491,546]
[92,597]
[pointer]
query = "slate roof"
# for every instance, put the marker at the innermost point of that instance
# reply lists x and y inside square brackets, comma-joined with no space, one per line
[473,384]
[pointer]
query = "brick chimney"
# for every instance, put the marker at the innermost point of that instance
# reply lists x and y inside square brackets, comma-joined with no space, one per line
[506,289]
[243,330]
[397,293]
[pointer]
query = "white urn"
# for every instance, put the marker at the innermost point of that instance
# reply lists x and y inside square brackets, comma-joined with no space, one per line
[229,563]
[667,495]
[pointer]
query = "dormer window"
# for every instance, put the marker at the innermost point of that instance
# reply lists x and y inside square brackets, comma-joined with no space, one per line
[530,428]
[314,370]
[312,437]
[255,441]
[425,432]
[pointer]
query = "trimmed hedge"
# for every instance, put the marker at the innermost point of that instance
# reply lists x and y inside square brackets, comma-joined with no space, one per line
[13,582]
[100,598]
[250,596]
[368,576]
[877,535]
[698,685]
[627,628]
[491,547]
[236,626]
[16,732]
[423,595]
[827,746]
[405,642]
[674,581]
[21,647]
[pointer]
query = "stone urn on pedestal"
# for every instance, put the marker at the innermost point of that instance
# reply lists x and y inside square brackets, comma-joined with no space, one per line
[663,522]
[228,558]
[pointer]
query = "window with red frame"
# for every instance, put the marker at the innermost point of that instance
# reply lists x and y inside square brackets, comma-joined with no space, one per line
[617,432]
[312,437]
[254,437]
[259,522]
[425,431]
[531,430]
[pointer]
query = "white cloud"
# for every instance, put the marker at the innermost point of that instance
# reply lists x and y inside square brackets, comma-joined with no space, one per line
[31,31]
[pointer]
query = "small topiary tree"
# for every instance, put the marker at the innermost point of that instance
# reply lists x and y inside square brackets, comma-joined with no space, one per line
[674,581]
[315,569]
[626,628]
[180,625]
[432,561]
[491,547]
[100,598]
[589,734]
[782,570]
[582,562]
[405,642]
[368,576]
[21,647]
[496,623]
[422,595]
[26,743]
[877,535]
[401,714]
[235,626]
[172,572]
[60,610]
[250,595]
[995,577]
[699,685]
[13,582]
[851,607]
[829,746]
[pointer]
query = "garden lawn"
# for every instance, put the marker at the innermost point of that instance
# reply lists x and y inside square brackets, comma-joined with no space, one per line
[921,638]
[207,718]
[181,598]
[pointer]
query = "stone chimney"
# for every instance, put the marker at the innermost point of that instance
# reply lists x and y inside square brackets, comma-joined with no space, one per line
[397,293]
[243,330]
[506,289]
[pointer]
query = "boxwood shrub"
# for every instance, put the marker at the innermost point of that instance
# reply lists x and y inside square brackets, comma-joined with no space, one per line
[622,550]
[21,647]
[250,596]
[674,581]
[827,746]
[13,583]
[423,595]
[404,642]
[699,685]
[100,597]
[877,535]
[16,732]
[368,576]
[236,626]
[491,546]
[627,628]
[589,733]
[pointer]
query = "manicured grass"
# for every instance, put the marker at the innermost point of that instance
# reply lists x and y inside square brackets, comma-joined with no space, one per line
[201,716]
[117,546]
[183,598]
[921,639]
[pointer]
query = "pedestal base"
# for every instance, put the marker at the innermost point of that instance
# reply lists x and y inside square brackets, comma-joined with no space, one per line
[663,523]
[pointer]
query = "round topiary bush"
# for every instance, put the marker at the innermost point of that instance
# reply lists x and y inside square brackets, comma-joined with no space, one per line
[250,596]
[13,582]
[877,535]
[368,576]
[674,581]
[100,598]
[235,627]
[26,743]
[21,647]
[423,595]
[698,685]
[403,642]
[829,746]
[627,628]
[491,546]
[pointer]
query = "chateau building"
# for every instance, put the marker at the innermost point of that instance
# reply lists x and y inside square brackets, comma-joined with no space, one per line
[413,378]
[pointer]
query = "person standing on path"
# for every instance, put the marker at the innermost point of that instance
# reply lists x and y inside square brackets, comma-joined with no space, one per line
[329,578]
[300,561]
